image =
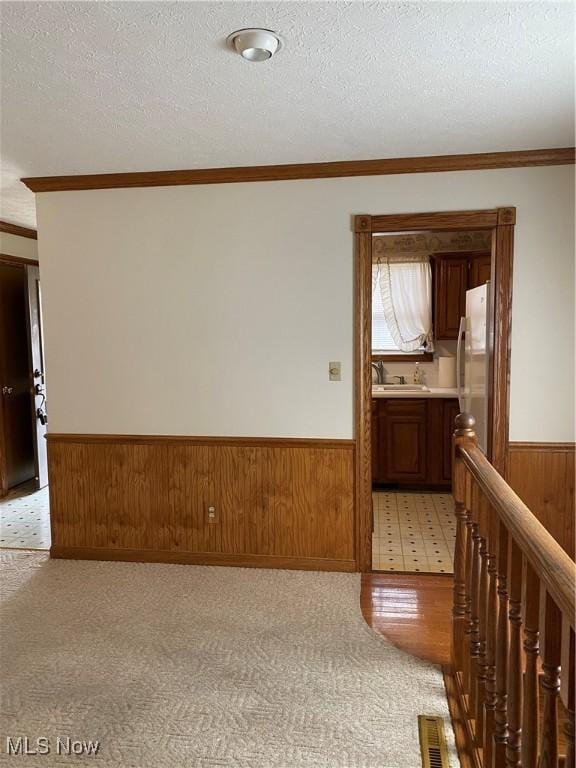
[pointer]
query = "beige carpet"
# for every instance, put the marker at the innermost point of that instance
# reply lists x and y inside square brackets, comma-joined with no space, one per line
[177,666]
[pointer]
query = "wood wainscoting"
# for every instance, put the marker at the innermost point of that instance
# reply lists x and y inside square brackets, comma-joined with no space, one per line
[542,474]
[273,503]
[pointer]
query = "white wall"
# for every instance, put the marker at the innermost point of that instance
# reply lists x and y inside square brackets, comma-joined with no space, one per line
[14,245]
[214,310]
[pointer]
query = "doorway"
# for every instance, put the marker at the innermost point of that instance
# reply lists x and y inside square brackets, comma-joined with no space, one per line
[23,415]
[499,225]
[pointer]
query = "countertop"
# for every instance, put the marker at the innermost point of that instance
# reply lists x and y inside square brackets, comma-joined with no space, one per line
[412,395]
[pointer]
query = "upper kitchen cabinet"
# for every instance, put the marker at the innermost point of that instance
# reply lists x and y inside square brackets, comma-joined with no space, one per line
[480,267]
[454,275]
[451,284]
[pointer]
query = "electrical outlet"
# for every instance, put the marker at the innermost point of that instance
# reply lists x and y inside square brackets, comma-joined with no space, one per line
[335,371]
[212,515]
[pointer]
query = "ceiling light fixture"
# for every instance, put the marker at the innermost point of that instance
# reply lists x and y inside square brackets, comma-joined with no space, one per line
[254,44]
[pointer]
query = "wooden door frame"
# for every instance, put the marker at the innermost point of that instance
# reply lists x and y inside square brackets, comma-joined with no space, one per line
[500,222]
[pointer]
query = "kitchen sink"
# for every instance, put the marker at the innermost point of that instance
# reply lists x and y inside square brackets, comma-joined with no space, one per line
[399,388]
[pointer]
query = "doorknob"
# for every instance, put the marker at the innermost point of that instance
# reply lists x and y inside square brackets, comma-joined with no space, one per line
[7,390]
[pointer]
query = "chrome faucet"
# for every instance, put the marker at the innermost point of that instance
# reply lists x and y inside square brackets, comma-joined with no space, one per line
[401,379]
[379,368]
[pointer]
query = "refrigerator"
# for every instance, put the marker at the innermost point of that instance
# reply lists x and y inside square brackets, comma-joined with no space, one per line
[473,356]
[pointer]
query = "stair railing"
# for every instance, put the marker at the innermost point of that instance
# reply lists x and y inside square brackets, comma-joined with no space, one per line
[513,622]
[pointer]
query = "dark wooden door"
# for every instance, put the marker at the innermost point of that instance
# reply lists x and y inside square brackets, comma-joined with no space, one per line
[480,268]
[451,282]
[405,440]
[451,409]
[36,362]
[17,464]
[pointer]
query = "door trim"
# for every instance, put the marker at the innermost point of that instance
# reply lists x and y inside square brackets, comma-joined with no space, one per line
[500,222]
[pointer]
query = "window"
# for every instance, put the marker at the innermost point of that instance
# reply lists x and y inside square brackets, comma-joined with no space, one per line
[382,340]
[402,306]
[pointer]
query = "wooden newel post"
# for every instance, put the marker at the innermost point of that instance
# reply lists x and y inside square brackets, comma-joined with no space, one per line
[464,435]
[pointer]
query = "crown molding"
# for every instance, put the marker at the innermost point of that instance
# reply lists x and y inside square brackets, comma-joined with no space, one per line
[431,164]
[14,229]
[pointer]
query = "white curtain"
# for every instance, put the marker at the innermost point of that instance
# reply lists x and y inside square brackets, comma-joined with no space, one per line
[375,278]
[406,289]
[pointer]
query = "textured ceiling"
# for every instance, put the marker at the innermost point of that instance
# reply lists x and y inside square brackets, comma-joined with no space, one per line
[104,86]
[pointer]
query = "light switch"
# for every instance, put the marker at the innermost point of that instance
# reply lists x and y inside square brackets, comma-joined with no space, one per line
[335,371]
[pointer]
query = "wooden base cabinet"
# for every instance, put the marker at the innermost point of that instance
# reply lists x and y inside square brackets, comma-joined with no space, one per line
[412,441]
[402,438]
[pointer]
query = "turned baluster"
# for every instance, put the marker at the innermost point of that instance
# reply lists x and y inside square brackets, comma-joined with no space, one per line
[483,511]
[531,606]
[463,435]
[514,658]
[459,604]
[474,614]
[551,624]
[469,570]
[567,691]
[500,711]
[491,616]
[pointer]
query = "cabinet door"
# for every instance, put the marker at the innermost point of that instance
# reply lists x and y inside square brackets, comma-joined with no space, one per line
[480,267]
[435,441]
[405,440]
[379,468]
[451,282]
[451,410]
[374,440]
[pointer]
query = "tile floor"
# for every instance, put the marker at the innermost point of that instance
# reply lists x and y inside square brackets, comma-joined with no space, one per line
[25,519]
[413,532]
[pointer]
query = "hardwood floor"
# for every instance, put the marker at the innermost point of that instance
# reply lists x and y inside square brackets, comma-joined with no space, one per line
[412,610]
